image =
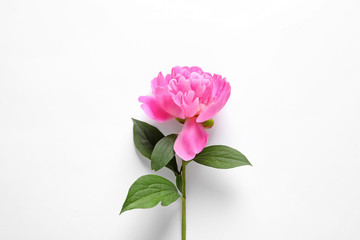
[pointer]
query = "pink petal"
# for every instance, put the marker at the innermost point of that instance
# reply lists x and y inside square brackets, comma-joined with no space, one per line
[192,108]
[189,96]
[218,103]
[159,81]
[153,109]
[153,85]
[191,140]
[173,86]
[196,69]
[165,100]
[183,84]
[178,98]
[175,71]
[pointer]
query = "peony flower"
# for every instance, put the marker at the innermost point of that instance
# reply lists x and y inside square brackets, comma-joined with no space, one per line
[191,94]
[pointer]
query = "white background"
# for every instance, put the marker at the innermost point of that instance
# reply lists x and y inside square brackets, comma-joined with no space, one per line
[71,73]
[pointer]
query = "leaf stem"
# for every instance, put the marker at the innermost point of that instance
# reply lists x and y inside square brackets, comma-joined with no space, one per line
[183,226]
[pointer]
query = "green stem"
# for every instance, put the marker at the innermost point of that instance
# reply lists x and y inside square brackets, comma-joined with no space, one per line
[183,178]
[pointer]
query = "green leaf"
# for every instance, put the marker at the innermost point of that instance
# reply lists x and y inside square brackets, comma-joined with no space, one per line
[172,165]
[180,120]
[220,156]
[179,182]
[163,152]
[145,137]
[148,191]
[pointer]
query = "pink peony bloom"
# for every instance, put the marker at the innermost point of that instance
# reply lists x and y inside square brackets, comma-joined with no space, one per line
[191,94]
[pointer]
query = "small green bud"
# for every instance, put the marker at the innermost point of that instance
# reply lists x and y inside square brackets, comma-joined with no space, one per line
[180,120]
[208,123]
